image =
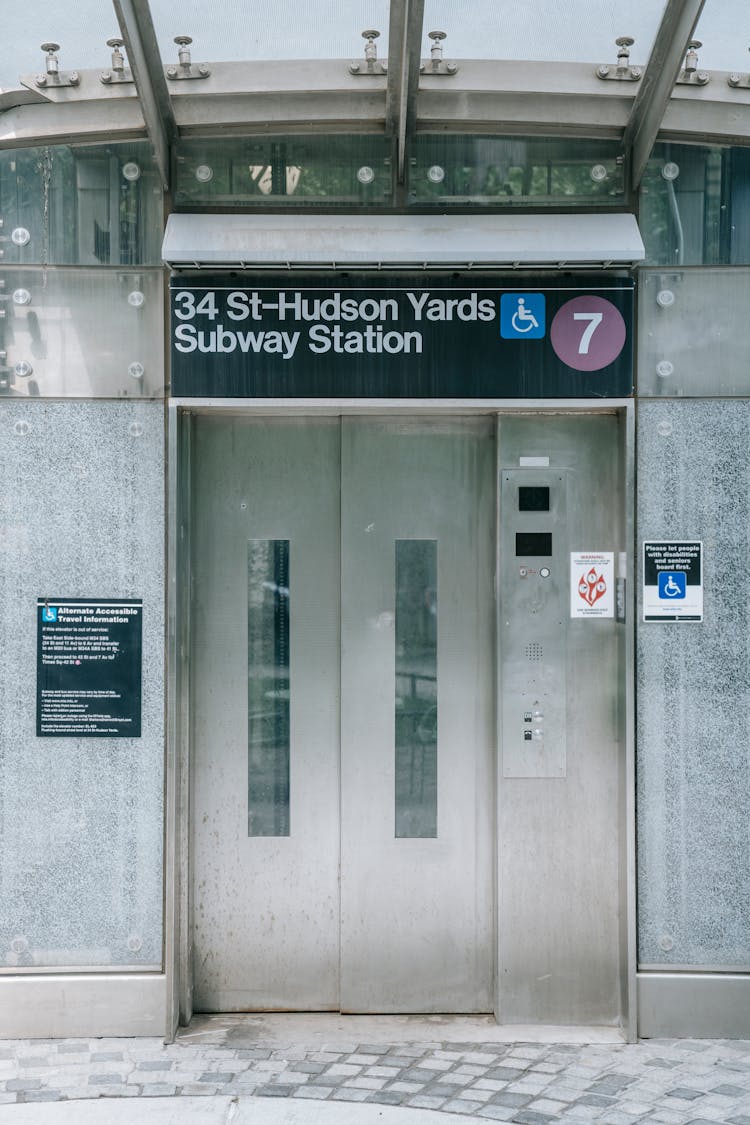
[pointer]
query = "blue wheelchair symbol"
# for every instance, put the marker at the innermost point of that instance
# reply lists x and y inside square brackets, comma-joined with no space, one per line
[49,613]
[672,585]
[522,316]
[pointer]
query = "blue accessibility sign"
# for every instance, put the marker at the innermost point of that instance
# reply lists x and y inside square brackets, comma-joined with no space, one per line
[672,585]
[49,613]
[522,316]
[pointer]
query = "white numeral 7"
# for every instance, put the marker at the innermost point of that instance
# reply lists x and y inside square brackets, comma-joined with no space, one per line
[594,320]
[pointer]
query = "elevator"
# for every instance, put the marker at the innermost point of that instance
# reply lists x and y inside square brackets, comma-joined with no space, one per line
[409,712]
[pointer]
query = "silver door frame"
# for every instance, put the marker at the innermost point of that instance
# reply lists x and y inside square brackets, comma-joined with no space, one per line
[178,905]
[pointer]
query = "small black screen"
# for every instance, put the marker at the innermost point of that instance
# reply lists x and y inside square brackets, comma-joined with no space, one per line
[533,542]
[533,498]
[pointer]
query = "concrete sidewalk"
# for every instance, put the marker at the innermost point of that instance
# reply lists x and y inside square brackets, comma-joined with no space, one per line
[359,1070]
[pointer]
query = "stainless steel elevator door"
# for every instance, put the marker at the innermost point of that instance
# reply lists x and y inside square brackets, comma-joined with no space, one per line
[342,715]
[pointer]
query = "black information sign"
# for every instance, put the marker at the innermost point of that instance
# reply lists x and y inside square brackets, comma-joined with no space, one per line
[673,580]
[88,681]
[259,336]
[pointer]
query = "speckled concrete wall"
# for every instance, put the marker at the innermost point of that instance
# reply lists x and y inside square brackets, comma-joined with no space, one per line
[693,686]
[81,515]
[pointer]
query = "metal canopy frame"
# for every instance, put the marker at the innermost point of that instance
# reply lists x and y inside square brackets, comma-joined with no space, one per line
[665,62]
[311,95]
[404,53]
[137,28]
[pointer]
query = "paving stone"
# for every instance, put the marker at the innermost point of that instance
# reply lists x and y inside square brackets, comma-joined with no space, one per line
[684,1093]
[425,1101]
[406,1087]
[474,1095]
[729,1091]
[23,1084]
[318,1092]
[217,1077]
[510,1099]
[530,1117]
[459,1105]
[385,1097]
[158,1090]
[507,1072]
[344,1094]
[197,1089]
[273,1091]
[595,1099]
[365,1083]
[496,1112]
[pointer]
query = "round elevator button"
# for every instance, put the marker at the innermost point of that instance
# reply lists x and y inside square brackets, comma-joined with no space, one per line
[544,572]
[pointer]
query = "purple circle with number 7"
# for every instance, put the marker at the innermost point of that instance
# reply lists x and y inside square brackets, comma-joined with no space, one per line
[588,333]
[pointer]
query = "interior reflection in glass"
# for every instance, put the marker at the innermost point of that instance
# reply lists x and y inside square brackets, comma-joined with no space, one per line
[268,687]
[416,687]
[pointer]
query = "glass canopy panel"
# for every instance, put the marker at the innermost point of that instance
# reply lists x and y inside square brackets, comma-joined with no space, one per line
[724,32]
[82,30]
[573,31]
[270,29]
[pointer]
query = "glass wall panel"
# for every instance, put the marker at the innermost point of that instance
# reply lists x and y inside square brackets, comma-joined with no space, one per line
[692,338]
[416,725]
[693,717]
[289,171]
[507,171]
[99,206]
[82,333]
[695,205]
[81,819]
[268,687]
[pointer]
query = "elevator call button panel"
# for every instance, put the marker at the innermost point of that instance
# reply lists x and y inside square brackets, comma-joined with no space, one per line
[533,578]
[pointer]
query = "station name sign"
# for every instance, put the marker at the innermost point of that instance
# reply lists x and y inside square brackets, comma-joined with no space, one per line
[405,337]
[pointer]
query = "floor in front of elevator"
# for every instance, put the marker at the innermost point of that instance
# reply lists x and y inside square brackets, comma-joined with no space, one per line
[316,1029]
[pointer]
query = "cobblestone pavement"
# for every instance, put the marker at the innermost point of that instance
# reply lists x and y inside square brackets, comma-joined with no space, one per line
[675,1082]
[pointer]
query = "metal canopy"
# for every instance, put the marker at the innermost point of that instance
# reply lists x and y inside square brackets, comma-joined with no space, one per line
[403,242]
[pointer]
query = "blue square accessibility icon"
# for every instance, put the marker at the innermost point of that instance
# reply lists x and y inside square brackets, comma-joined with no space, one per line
[49,613]
[672,585]
[522,316]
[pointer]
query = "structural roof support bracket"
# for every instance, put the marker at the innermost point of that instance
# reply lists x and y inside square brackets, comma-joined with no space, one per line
[664,65]
[404,60]
[137,28]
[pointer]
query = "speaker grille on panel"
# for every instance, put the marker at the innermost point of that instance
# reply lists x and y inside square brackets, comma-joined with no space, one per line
[534,652]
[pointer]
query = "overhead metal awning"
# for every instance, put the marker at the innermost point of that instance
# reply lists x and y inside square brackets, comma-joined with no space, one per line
[403,242]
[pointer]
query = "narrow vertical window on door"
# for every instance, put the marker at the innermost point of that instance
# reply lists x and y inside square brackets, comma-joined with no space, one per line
[416,702]
[268,687]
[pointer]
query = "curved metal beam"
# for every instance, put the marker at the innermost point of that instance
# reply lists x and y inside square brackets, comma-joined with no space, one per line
[665,62]
[137,28]
[404,57]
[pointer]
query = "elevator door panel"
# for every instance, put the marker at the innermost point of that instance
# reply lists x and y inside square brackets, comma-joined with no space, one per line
[342,722]
[265,903]
[416,718]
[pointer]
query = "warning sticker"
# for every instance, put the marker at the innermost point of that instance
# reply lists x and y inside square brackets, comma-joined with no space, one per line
[673,580]
[592,584]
